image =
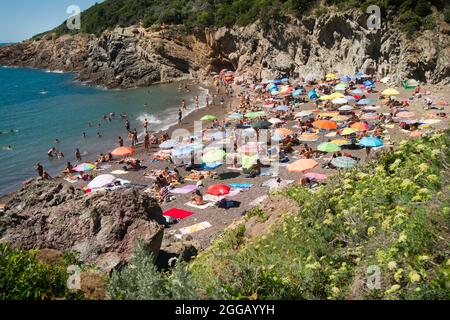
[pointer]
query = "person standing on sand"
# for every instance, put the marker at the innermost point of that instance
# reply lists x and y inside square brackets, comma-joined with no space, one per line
[127,125]
[180,116]
[183,104]
[147,141]
[120,140]
[40,169]
[146,125]
[196,102]
[78,155]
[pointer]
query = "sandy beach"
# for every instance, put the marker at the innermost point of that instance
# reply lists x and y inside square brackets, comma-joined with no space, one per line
[219,219]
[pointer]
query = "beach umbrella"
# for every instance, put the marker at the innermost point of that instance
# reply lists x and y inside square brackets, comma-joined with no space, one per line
[169,144]
[84,167]
[274,92]
[346,108]
[325,124]
[364,102]
[101,181]
[344,162]
[316,176]
[341,87]
[372,142]
[336,95]
[253,115]
[284,131]
[275,121]
[302,114]
[410,84]
[350,98]
[390,92]
[183,151]
[328,147]
[263,124]
[208,118]
[371,108]
[312,95]
[123,152]
[368,83]
[326,98]
[277,137]
[339,118]
[346,78]
[331,76]
[358,92]
[430,121]
[219,190]
[340,142]
[214,156]
[405,114]
[328,114]
[297,93]
[359,74]
[370,116]
[302,165]
[235,116]
[348,131]
[339,101]
[360,126]
[308,137]
[282,108]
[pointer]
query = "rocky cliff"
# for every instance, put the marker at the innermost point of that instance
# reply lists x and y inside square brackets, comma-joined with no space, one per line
[103,228]
[134,56]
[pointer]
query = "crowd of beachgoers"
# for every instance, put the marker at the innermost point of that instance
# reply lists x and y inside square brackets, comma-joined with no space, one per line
[250,137]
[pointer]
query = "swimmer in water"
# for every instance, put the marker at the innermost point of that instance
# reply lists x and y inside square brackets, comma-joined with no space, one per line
[99,135]
[84,135]
[9,148]
[56,141]
[52,153]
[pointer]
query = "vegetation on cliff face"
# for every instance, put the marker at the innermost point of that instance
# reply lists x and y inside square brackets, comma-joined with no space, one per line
[390,218]
[414,15]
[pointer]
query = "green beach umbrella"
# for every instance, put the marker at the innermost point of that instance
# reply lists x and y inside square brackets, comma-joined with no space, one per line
[328,147]
[262,124]
[208,118]
[344,162]
[253,115]
[213,156]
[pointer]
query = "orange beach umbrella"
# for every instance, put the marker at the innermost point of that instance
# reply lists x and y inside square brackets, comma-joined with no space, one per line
[123,151]
[325,124]
[302,165]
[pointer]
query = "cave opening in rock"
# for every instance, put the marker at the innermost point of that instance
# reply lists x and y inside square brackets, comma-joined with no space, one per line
[219,65]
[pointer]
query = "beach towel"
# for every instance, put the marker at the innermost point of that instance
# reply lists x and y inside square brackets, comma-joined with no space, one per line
[177,213]
[119,172]
[184,190]
[241,185]
[211,166]
[195,228]
[205,206]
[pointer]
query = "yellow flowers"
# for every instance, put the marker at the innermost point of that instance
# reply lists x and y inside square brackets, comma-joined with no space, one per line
[371,231]
[414,276]
[423,167]
[398,276]
[313,266]
[433,178]
[392,289]
[402,238]
[423,258]
[392,265]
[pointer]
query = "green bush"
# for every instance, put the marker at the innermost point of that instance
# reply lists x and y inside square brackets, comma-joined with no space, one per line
[22,277]
[447,15]
[141,281]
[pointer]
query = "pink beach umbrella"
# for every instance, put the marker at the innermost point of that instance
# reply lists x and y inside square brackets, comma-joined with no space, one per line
[316,176]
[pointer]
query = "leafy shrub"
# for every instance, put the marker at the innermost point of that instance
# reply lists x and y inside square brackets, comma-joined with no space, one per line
[141,281]
[447,15]
[22,277]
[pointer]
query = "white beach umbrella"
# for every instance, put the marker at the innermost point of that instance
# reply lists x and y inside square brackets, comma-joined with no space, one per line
[339,101]
[102,181]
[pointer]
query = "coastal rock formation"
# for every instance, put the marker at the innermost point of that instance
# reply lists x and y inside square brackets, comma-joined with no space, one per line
[103,228]
[135,56]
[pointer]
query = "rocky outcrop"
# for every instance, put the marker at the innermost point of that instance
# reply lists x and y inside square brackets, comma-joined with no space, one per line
[134,56]
[103,228]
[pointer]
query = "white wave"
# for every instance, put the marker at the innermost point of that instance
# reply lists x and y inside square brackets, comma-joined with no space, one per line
[54,71]
[151,119]
[43,92]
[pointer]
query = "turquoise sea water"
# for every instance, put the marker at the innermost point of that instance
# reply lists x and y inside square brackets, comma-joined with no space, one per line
[40,106]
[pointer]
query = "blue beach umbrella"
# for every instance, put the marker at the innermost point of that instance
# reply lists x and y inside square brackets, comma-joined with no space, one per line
[313,94]
[371,142]
[282,108]
[346,78]
[235,116]
[364,102]
[344,162]
[358,91]
[297,92]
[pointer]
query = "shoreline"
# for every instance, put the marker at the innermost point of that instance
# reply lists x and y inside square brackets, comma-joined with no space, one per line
[187,123]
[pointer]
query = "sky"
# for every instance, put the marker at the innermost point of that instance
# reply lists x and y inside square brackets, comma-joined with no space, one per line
[22,19]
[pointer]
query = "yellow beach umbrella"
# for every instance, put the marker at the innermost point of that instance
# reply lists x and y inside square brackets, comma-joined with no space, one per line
[331,76]
[340,142]
[327,97]
[336,95]
[390,92]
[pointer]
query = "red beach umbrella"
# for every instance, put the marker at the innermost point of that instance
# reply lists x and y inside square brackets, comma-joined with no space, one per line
[219,190]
